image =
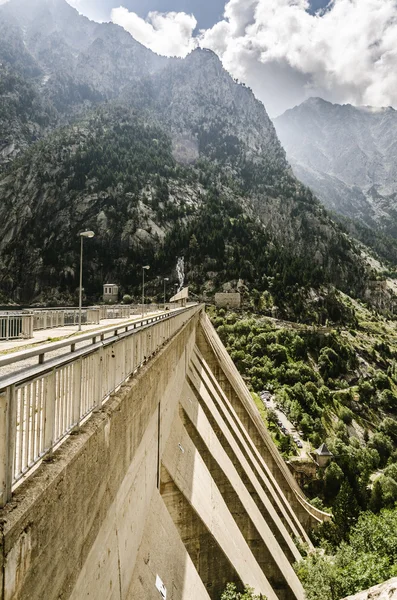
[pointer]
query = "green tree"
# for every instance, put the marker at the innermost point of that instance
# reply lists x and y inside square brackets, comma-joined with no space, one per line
[345,511]
[366,391]
[389,427]
[359,571]
[370,557]
[383,445]
[231,593]
[376,499]
[388,400]
[346,415]
[385,494]
[277,353]
[391,471]
[319,577]
[329,363]
[333,478]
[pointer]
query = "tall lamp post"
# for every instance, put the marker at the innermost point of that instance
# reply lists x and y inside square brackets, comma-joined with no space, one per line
[165,279]
[145,268]
[84,234]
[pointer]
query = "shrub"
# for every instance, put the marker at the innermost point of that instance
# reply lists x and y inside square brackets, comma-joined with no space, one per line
[366,391]
[391,471]
[329,363]
[346,415]
[231,593]
[389,427]
[278,354]
[323,395]
[381,381]
[333,478]
[388,400]
[298,348]
[370,557]
[383,445]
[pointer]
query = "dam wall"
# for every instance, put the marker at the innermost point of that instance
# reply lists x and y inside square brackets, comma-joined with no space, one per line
[171,489]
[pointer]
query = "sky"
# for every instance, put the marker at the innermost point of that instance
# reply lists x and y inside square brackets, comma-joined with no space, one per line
[344,51]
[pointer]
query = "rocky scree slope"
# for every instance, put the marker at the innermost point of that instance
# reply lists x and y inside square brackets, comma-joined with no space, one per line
[161,157]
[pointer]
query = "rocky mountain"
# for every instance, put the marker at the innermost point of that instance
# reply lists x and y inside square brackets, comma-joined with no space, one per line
[161,157]
[56,63]
[383,591]
[348,156]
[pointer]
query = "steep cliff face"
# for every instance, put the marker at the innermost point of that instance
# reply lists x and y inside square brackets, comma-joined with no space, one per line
[161,157]
[347,155]
[55,64]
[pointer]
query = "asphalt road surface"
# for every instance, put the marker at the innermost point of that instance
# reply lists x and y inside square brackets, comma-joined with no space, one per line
[270,403]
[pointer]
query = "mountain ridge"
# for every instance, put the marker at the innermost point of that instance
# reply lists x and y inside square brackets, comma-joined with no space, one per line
[217,135]
[346,154]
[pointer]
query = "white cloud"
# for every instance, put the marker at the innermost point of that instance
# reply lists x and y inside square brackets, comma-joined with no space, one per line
[346,54]
[76,3]
[169,33]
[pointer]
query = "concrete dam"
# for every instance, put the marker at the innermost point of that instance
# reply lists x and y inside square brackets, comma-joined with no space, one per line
[140,469]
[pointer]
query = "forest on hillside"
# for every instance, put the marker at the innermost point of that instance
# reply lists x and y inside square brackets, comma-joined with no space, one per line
[337,384]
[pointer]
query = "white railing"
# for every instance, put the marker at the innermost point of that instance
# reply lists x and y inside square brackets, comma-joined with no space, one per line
[16,325]
[42,405]
[21,325]
[118,311]
[48,319]
[121,311]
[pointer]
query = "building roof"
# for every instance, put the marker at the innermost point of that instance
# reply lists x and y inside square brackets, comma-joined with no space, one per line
[323,451]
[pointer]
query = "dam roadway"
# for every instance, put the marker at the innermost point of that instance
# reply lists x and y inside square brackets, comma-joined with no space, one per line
[138,467]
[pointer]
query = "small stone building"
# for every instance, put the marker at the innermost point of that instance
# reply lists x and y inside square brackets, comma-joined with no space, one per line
[323,456]
[228,299]
[110,293]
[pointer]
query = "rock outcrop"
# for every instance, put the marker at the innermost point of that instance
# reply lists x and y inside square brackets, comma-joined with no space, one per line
[383,591]
[347,156]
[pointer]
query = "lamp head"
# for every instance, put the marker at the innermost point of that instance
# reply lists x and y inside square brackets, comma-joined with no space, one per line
[146,267]
[166,278]
[87,234]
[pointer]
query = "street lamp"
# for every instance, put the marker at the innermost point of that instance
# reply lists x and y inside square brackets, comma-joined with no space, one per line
[145,268]
[84,234]
[165,279]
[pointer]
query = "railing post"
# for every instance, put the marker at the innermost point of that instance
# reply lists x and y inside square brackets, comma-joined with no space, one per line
[98,381]
[49,414]
[7,443]
[77,373]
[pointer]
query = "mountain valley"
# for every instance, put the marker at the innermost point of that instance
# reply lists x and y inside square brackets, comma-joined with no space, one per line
[164,158]
[108,135]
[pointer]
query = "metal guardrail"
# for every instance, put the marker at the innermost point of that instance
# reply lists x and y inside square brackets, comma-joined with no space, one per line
[48,319]
[121,311]
[40,407]
[118,311]
[21,325]
[16,325]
